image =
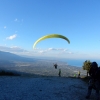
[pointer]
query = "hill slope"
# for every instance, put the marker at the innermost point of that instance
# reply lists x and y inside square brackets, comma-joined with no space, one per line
[7,56]
[43,88]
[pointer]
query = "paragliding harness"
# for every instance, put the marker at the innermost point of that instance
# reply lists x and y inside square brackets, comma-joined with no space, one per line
[55,65]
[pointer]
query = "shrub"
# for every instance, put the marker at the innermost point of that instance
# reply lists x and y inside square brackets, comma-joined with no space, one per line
[7,73]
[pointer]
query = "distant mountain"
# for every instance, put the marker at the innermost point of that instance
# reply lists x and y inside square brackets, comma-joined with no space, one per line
[7,56]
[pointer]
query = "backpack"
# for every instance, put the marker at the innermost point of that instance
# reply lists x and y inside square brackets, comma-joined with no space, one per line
[97,75]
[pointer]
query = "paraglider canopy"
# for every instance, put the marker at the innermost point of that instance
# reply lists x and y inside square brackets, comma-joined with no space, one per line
[51,36]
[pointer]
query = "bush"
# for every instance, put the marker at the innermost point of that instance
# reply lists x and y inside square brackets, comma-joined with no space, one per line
[7,73]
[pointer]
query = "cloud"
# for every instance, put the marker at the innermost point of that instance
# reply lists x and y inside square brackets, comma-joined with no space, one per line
[5,27]
[50,49]
[53,52]
[11,37]
[37,48]
[16,20]
[57,49]
[42,51]
[70,52]
[12,49]
[65,50]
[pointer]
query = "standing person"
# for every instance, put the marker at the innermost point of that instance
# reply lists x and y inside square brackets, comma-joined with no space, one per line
[94,80]
[74,75]
[79,73]
[59,73]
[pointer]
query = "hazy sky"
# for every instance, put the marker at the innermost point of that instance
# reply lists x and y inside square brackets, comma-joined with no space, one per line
[22,22]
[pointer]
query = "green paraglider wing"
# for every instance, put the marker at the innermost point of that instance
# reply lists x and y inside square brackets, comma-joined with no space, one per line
[51,36]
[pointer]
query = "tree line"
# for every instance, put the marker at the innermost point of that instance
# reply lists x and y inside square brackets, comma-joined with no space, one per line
[87,65]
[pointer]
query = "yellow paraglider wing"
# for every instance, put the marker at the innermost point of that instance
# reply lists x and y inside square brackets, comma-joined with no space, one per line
[51,36]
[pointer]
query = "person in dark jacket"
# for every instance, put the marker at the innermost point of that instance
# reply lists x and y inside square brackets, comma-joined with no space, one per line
[94,80]
[97,83]
[93,70]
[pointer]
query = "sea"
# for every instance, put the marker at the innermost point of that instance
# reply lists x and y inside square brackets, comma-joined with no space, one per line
[73,62]
[77,62]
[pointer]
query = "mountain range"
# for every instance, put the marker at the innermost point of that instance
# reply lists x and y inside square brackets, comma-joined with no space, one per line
[7,56]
